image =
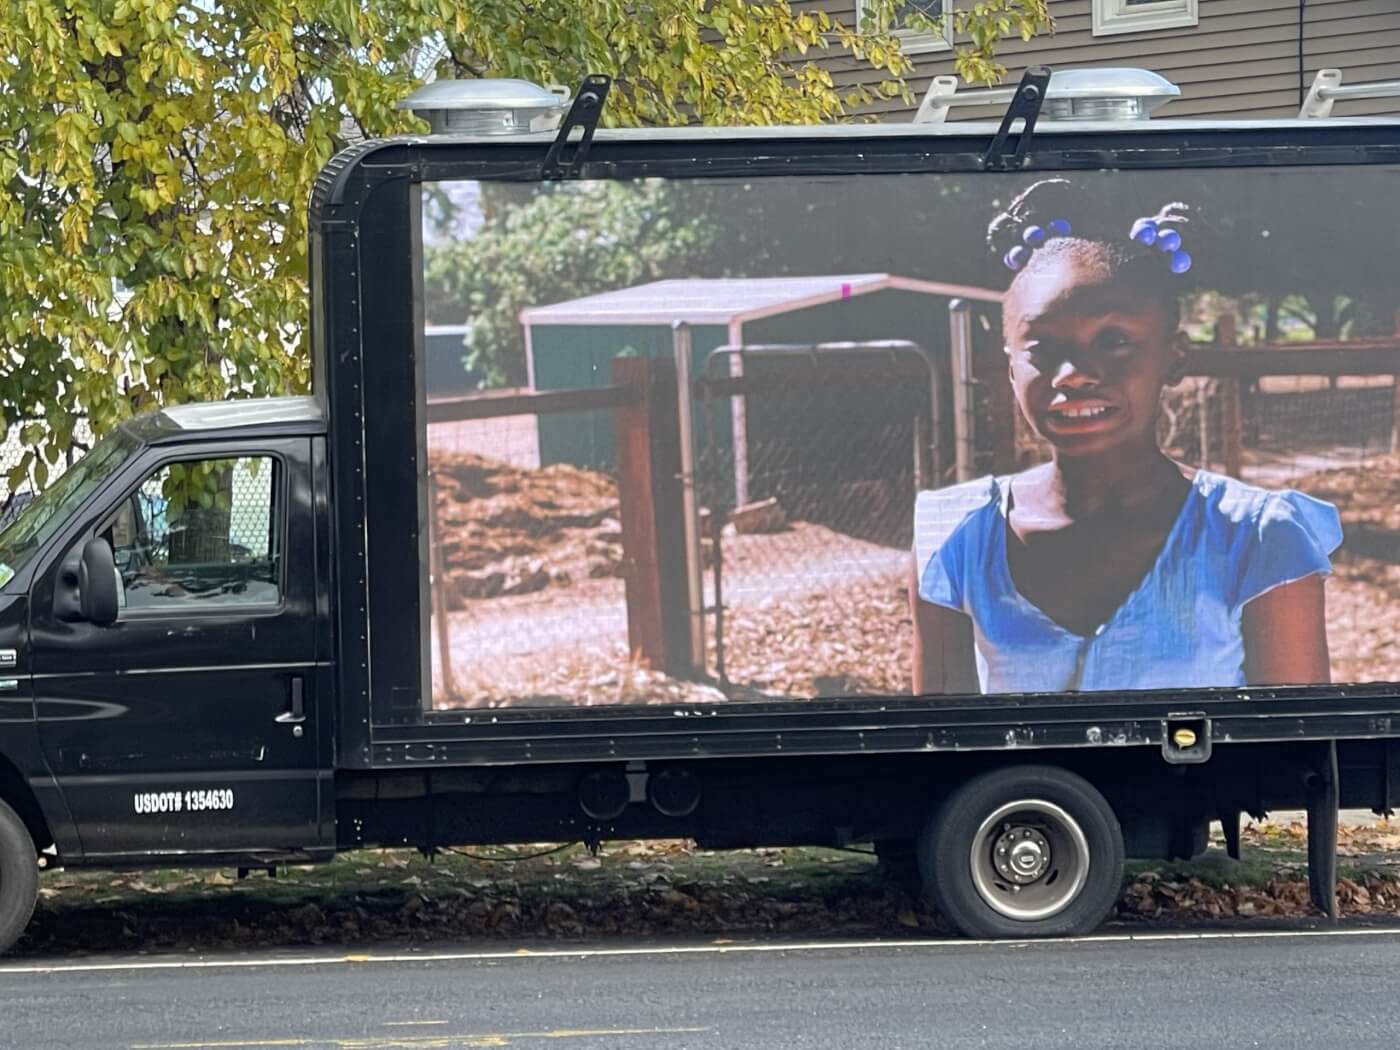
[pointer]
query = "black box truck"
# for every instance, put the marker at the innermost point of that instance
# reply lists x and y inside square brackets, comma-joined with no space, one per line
[1016,498]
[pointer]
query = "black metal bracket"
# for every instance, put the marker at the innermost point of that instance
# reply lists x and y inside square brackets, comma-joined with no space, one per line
[1323,799]
[1390,766]
[584,113]
[1025,105]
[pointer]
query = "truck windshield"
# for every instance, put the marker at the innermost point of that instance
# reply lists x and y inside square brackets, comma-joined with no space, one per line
[37,523]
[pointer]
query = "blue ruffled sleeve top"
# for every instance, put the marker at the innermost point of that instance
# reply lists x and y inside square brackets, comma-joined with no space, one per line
[1179,629]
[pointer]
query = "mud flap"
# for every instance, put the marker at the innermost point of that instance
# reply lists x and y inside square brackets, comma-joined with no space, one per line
[1323,802]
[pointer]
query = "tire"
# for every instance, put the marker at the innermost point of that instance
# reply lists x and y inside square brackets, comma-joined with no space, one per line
[1030,851]
[19,877]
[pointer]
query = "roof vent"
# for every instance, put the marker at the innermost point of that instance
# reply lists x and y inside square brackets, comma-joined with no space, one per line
[486,107]
[1108,94]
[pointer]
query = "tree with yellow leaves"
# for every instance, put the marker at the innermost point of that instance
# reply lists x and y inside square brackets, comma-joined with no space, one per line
[156,156]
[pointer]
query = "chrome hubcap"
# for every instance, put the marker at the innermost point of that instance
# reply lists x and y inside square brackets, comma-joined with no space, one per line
[1030,859]
[1022,855]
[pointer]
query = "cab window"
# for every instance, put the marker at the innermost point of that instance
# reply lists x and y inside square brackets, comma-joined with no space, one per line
[200,533]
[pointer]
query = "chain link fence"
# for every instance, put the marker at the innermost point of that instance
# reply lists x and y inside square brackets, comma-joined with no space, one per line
[808,480]
[1276,430]
[12,453]
[227,506]
[527,559]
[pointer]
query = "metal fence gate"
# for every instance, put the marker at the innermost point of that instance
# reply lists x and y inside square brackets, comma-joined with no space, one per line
[809,462]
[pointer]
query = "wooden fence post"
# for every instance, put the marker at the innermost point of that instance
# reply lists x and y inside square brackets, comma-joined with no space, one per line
[650,508]
[437,591]
[964,408]
[1203,392]
[1231,409]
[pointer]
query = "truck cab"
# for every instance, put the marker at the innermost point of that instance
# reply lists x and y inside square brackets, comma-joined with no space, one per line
[166,641]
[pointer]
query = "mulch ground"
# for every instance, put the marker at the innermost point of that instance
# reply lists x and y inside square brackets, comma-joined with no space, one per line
[502,530]
[809,610]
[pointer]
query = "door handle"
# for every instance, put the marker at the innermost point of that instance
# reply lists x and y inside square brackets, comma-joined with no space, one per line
[296,708]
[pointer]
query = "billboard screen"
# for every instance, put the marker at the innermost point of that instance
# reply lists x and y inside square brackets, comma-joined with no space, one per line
[717,440]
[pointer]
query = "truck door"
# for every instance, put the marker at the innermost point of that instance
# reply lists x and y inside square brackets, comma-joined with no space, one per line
[191,724]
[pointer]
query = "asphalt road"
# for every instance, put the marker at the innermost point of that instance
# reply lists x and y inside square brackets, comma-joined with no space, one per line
[1210,992]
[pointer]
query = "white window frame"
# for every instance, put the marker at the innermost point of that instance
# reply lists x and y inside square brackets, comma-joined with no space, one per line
[1115,16]
[913,42]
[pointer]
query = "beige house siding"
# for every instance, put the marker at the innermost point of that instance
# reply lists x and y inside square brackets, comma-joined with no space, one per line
[1241,60]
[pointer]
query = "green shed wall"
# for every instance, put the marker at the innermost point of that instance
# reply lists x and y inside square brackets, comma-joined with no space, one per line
[578,356]
[571,357]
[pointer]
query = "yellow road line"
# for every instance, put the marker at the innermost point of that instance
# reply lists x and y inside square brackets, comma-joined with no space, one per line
[486,1039]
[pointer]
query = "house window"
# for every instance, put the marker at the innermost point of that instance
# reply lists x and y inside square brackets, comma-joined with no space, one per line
[916,40]
[1141,16]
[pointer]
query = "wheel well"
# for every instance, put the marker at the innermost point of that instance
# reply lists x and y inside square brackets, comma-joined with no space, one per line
[15,790]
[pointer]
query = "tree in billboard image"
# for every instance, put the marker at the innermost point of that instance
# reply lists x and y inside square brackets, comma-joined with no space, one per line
[1111,566]
[559,242]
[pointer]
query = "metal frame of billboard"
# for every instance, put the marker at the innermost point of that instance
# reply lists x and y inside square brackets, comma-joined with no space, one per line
[366,289]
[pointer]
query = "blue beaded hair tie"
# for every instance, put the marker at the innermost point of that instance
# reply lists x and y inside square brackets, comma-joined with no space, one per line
[1032,237]
[1151,233]
[1146,231]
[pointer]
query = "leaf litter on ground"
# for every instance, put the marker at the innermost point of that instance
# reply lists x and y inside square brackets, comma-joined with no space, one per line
[633,889]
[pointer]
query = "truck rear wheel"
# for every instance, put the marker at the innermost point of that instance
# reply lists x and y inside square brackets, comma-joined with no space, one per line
[1032,851]
[19,877]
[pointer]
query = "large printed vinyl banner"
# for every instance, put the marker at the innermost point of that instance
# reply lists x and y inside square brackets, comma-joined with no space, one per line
[708,441]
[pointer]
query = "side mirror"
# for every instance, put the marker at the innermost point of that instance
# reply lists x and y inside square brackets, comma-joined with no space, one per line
[97,583]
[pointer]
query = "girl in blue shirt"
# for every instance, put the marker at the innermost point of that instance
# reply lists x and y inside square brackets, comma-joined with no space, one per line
[1111,567]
